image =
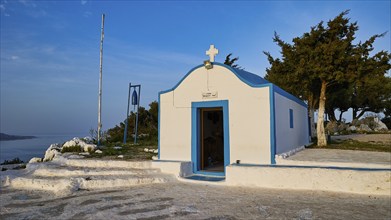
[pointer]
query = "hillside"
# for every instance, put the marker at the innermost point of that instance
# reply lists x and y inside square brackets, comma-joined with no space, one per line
[7,137]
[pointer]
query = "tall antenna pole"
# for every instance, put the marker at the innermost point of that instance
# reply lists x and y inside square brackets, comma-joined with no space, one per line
[100,79]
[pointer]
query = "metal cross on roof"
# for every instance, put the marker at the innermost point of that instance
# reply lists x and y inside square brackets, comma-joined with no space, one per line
[212,52]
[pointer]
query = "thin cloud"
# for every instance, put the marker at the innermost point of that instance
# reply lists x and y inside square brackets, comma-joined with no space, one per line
[83,2]
[32,9]
[28,3]
[87,14]
[3,9]
[15,57]
[37,13]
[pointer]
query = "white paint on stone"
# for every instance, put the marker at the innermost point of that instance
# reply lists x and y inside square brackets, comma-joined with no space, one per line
[289,153]
[35,160]
[212,52]
[51,152]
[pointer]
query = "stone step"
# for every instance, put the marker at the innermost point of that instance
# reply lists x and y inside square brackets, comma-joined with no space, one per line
[67,185]
[81,171]
[93,163]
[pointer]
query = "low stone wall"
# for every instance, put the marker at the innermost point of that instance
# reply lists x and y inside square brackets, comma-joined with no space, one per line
[361,181]
[177,168]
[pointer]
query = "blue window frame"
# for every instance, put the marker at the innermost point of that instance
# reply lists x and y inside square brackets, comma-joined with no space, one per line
[291,118]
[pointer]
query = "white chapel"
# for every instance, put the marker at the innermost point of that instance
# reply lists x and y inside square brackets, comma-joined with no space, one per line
[217,115]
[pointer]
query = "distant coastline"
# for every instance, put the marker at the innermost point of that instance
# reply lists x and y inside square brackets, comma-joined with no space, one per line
[7,137]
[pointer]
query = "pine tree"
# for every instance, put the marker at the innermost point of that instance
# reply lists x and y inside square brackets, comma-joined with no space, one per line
[323,62]
[231,62]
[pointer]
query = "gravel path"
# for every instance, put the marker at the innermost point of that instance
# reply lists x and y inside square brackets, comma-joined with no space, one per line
[179,200]
[383,138]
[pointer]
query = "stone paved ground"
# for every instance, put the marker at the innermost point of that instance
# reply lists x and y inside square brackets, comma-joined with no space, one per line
[178,200]
[347,156]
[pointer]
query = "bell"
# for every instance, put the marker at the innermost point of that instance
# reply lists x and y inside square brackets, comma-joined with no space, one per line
[134,98]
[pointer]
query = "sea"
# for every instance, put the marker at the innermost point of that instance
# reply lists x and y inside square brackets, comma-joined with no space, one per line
[29,148]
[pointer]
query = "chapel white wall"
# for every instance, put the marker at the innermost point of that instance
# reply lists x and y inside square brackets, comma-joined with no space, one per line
[249,116]
[290,138]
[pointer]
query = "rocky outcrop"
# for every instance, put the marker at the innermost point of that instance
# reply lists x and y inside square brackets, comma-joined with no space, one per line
[368,124]
[379,125]
[86,147]
[51,152]
[56,149]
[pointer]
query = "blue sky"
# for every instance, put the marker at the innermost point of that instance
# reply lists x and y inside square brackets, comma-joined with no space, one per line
[50,50]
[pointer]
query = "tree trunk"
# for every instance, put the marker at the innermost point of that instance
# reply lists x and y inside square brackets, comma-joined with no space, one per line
[357,115]
[311,113]
[331,115]
[340,116]
[354,113]
[320,126]
[312,122]
[361,114]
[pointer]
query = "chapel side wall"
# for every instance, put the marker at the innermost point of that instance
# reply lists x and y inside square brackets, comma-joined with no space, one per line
[249,116]
[175,133]
[290,138]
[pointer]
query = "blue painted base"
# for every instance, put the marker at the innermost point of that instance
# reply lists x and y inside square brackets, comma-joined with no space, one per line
[207,173]
[311,167]
[205,178]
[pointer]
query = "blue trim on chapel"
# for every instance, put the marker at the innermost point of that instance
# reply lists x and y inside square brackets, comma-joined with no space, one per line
[195,127]
[273,140]
[251,80]
[158,126]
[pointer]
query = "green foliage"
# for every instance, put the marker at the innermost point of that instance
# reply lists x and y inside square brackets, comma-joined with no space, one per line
[75,148]
[325,64]
[128,150]
[147,126]
[354,78]
[371,93]
[13,161]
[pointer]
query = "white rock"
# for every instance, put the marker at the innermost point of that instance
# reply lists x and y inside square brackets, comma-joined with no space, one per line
[78,142]
[98,151]
[156,151]
[51,152]
[35,160]
[151,150]
[74,142]
[70,143]
[117,147]
[88,139]
[351,128]
[145,149]
[73,156]
[5,180]
[89,147]
[84,153]
[364,127]
[120,156]
[155,158]
[380,125]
